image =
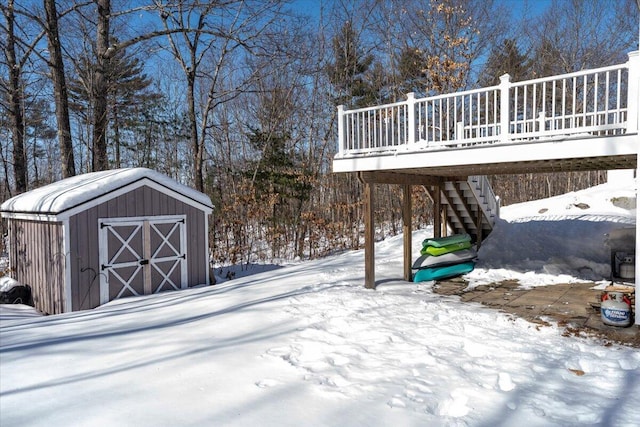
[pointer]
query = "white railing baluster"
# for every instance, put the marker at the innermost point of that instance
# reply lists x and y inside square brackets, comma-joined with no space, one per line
[619,118]
[439,122]
[546,106]
[606,100]
[564,103]
[553,107]
[446,135]
[595,120]
[584,101]
[573,111]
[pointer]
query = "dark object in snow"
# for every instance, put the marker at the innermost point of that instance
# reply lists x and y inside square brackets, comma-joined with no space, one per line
[20,294]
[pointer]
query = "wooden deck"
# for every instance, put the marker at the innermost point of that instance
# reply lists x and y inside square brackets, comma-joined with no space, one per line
[581,121]
[559,154]
[574,122]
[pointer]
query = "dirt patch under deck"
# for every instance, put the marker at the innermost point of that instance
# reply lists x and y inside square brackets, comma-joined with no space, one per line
[571,305]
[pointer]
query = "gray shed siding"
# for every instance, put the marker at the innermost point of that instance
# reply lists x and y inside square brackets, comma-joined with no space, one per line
[141,202]
[37,259]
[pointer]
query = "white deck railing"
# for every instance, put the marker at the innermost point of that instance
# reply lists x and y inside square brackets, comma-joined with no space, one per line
[598,102]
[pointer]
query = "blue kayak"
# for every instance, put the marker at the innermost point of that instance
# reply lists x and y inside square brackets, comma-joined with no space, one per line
[437,273]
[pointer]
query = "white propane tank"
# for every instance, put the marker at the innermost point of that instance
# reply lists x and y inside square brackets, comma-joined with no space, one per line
[615,309]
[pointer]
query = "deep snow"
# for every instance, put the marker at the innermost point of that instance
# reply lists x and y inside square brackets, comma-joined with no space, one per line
[306,344]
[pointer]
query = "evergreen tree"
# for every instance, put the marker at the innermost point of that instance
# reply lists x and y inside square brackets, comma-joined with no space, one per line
[505,58]
[411,70]
[348,71]
[40,136]
[280,180]
[129,98]
[126,86]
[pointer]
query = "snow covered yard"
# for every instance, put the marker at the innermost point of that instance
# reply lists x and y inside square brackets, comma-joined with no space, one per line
[308,345]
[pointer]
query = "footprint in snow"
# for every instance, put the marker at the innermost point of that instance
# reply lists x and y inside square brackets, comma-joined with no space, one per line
[266,383]
[396,402]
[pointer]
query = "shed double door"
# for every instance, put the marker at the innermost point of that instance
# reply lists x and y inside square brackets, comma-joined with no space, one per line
[141,256]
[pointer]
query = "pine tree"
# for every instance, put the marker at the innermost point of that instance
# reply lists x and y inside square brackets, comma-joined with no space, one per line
[410,69]
[505,58]
[348,71]
[126,86]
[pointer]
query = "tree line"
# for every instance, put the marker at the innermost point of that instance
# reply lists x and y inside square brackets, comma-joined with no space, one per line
[238,98]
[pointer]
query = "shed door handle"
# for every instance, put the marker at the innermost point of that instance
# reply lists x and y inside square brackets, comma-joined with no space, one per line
[144,261]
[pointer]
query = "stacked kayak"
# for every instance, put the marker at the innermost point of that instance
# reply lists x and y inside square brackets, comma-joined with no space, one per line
[445,257]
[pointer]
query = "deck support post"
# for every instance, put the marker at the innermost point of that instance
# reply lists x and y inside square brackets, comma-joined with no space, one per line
[478,226]
[437,211]
[369,235]
[407,230]
[444,232]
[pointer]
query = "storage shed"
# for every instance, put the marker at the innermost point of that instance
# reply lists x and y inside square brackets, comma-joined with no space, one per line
[89,239]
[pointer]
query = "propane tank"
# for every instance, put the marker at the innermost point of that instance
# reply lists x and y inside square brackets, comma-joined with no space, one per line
[615,309]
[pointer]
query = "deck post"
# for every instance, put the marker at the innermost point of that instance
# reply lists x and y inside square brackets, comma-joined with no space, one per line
[505,84]
[369,234]
[478,226]
[406,230]
[341,130]
[443,222]
[411,118]
[437,211]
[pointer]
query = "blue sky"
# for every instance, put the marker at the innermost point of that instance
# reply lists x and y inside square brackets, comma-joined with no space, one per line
[517,7]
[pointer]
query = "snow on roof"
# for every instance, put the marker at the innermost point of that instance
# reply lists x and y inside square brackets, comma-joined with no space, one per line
[71,192]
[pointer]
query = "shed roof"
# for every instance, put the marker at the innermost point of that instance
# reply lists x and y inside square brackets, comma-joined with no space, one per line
[70,193]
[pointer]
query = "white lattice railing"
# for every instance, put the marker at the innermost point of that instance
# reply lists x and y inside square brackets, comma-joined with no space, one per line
[596,102]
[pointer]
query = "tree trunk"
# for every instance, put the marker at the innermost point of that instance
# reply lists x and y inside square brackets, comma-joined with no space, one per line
[59,90]
[193,132]
[100,122]
[116,137]
[15,106]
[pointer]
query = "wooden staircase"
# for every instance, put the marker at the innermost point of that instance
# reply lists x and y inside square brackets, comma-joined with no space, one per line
[470,206]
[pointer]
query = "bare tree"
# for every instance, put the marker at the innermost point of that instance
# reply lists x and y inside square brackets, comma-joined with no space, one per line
[222,31]
[444,40]
[103,55]
[56,65]
[15,93]
[576,34]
